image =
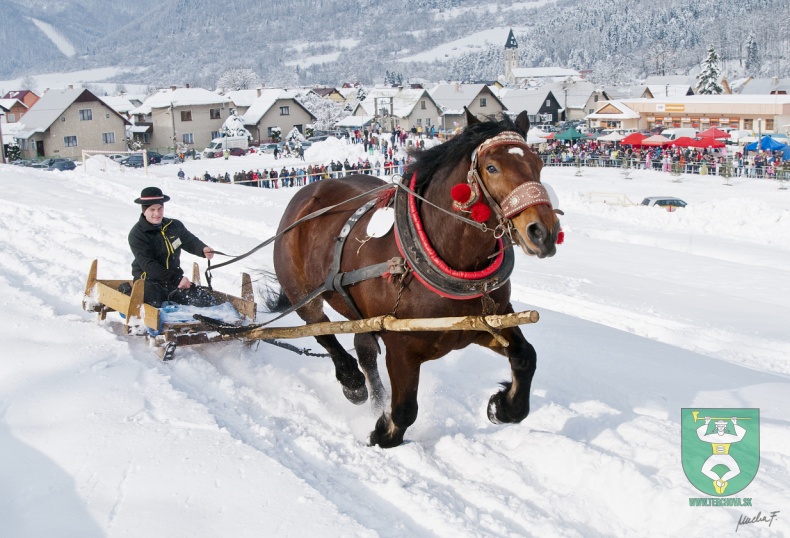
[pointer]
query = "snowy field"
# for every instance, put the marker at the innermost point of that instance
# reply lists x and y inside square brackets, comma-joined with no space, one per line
[643,312]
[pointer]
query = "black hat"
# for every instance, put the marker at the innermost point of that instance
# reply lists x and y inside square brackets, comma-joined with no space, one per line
[151,196]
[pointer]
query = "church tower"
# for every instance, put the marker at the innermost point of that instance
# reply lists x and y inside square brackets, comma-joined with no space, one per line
[511,57]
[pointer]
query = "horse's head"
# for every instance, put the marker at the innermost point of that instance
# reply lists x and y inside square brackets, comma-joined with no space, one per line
[508,173]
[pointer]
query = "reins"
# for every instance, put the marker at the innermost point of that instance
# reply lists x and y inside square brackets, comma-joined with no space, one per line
[398,184]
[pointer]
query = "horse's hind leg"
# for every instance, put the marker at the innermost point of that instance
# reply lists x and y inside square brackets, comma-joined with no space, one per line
[367,353]
[511,404]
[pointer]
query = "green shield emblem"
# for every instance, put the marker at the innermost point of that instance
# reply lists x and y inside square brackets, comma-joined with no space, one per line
[720,448]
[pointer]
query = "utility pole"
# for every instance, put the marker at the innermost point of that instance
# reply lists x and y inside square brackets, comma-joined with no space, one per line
[2,146]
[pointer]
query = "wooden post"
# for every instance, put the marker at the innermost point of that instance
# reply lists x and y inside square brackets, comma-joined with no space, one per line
[391,323]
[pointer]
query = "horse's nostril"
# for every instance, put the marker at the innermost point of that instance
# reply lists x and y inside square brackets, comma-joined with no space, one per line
[536,232]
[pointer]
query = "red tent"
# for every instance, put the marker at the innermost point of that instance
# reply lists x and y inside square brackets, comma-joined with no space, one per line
[708,142]
[714,132]
[634,139]
[655,140]
[683,142]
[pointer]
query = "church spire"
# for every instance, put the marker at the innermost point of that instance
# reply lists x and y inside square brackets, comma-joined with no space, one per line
[511,41]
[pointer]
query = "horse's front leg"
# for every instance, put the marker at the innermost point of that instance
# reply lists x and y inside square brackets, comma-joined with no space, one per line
[511,404]
[404,374]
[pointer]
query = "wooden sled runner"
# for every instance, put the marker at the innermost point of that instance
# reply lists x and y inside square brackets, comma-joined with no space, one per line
[102,296]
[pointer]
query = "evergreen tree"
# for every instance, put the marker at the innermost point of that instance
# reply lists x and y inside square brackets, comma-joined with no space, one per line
[752,56]
[708,78]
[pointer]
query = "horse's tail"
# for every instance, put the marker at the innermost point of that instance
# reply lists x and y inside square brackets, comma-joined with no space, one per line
[274,298]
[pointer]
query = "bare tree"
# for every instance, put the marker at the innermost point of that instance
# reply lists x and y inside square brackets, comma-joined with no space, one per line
[238,79]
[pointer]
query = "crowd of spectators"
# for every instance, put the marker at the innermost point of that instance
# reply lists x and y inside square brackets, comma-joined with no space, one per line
[764,164]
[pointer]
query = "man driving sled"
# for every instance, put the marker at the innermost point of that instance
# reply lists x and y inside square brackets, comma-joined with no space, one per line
[156,244]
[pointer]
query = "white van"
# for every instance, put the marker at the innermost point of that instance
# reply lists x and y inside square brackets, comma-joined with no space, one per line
[219,145]
[677,132]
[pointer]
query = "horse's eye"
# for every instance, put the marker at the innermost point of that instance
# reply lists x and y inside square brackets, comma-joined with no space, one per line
[491,169]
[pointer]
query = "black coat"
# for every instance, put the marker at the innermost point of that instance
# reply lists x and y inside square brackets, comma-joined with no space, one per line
[157,250]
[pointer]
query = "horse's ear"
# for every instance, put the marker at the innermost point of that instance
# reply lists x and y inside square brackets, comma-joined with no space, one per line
[470,118]
[522,122]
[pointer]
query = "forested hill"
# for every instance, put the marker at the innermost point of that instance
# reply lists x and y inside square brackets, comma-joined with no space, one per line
[332,41]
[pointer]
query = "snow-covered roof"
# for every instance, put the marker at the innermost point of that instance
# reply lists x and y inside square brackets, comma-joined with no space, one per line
[578,92]
[261,105]
[544,72]
[121,105]
[7,104]
[668,90]
[180,97]
[672,80]
[355,121]
[621,111]
[724,98]
[242,98]
[764,86]
[403,100]
[517,100]
[454,97]
[47,109]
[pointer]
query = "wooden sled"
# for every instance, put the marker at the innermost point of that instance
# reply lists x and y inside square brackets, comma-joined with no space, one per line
[102,296]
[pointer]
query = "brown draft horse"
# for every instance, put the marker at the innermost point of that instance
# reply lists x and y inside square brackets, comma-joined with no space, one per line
[303,256]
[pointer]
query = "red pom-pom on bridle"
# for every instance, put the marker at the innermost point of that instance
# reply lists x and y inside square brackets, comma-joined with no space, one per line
[480,212]
[461,193]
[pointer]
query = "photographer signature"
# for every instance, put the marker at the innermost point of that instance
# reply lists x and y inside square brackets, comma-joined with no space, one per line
[759,518]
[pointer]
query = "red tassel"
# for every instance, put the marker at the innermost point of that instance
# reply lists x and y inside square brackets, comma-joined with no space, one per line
[560,237]
[461,193]
[480,212]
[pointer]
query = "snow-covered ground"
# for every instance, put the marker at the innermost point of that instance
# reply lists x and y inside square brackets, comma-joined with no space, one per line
[643,312]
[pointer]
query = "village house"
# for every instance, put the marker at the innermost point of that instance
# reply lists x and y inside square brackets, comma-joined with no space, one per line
[63,123]
[273,109]
[454,97]
[28,97]
[180,117]
[541,105]
[398,107]
[576,97]
[13,109]
[756,113]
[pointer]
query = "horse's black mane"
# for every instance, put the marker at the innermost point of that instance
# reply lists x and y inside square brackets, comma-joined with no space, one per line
[427,163]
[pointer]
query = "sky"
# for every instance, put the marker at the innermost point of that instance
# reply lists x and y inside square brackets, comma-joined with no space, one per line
[643,313]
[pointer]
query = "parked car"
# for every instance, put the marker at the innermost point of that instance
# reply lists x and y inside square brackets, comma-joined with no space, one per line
[170,158]
[238,152]
[117,157]
[267,148]
[670,203]
[22,162]
[46,163]
[154,157]
[63,165]
[135,160]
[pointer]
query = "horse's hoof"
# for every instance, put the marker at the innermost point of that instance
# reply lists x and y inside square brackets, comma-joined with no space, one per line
[386,435]
[493,404]
[356,396]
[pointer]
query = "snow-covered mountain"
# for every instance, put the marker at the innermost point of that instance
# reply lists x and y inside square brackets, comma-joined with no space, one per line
[333,41]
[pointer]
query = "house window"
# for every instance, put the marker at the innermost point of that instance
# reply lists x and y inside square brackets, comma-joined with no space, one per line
[186,115]
[70,141]
[548,102]
[422,104]
[214,113]
[427,122]
[63,118]
[146,138]
[214,134]
[10,118]
[107,115]
[187,138]
[108,138]
[595,98]
[86,114]
[769,124]
[419,121]
[483,102]
[285,111]
[748,124]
